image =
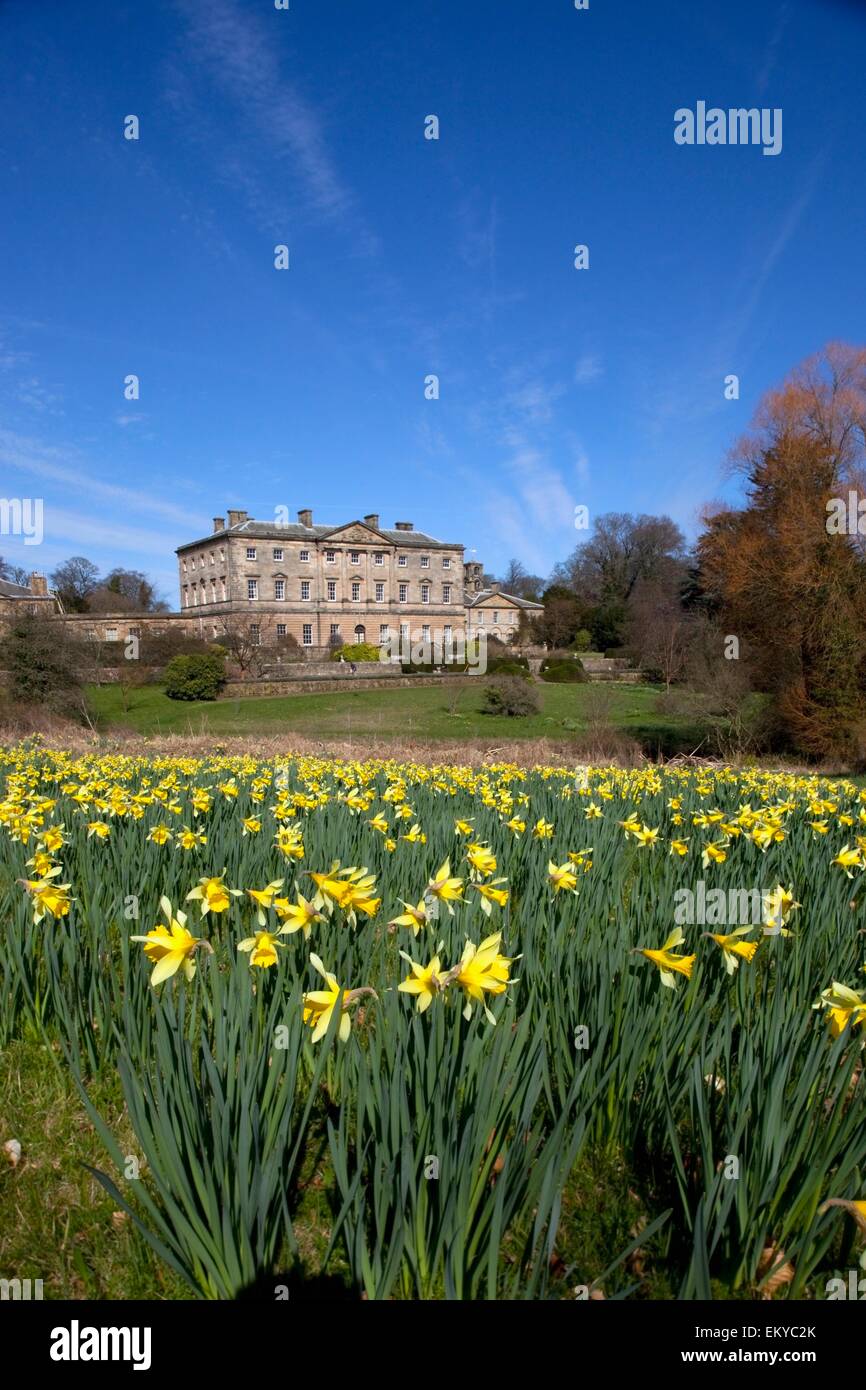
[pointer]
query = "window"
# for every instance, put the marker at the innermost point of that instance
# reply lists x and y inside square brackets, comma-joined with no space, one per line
[446,593]
[331,557]
[307,637]
[380,593]
[186,596]
[446,562]
[255,634]
[305,590]
[332,590]
[251,552]
[305,557]
[356,593]
[184,566]
[252,588]
[222,553]
[212,556]
[447,634]
[404,593]
[278,552]
[384,632]
[279,588]
[134,632]
[335,629]
[402,561]
[404,632]
[223,590]
[425,632]
[425,593]
[425,562]
[496,615]
[111,634]
[354,557]
[281,629]
[480,619]
[378,557]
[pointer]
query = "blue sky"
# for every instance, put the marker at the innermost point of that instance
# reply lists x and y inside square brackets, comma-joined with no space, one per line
[305,388]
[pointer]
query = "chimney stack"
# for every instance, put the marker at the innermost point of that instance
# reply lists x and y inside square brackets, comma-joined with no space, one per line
[403,526]
[237,518]
[305,517]
[372,519]
[38,585]
[219,524]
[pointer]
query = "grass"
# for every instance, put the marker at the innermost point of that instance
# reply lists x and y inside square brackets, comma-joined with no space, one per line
[57,1223]
[425,713]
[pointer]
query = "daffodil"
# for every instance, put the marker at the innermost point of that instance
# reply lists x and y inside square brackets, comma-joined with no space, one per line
[424,981]
[481,860]
[848,859]
[444,888]
[733,949]
[491,893]
[171,947]
[843,1006]
[562,878]
[264,898]
[49,898]
[159,834]
[263,948]
[645,837]
[298,916]
[667,962]
[777,906]
[212,895]
[190,839]
[481,970]
[414,917]
[715,853]
[319,1005]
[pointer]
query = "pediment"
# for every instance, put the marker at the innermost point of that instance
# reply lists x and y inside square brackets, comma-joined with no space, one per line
[355,531]
[496,601]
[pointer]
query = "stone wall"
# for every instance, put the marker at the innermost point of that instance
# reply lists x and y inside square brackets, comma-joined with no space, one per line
[239,690]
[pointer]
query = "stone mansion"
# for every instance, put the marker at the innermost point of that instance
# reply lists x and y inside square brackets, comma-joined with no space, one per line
[356,582]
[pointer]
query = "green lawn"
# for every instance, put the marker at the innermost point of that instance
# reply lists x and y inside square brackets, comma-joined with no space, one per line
[424,713]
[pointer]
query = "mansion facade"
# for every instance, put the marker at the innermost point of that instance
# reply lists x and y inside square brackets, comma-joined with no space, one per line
[356,582]
[321,585]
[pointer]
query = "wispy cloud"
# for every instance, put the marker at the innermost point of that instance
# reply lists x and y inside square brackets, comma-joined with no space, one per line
[67,466]
[588,368]
[772,54]
[238,53]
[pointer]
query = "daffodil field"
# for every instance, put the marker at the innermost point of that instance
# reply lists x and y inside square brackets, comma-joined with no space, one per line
[455,989]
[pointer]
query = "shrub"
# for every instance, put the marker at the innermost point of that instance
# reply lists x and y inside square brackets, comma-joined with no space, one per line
[357,651]
[200,676]
[509,666]
[40,664]
[563,672]
[512,696]
[582,640]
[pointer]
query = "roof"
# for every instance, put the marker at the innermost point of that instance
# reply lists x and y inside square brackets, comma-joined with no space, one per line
[472,600]
[294,531]
[10,590]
